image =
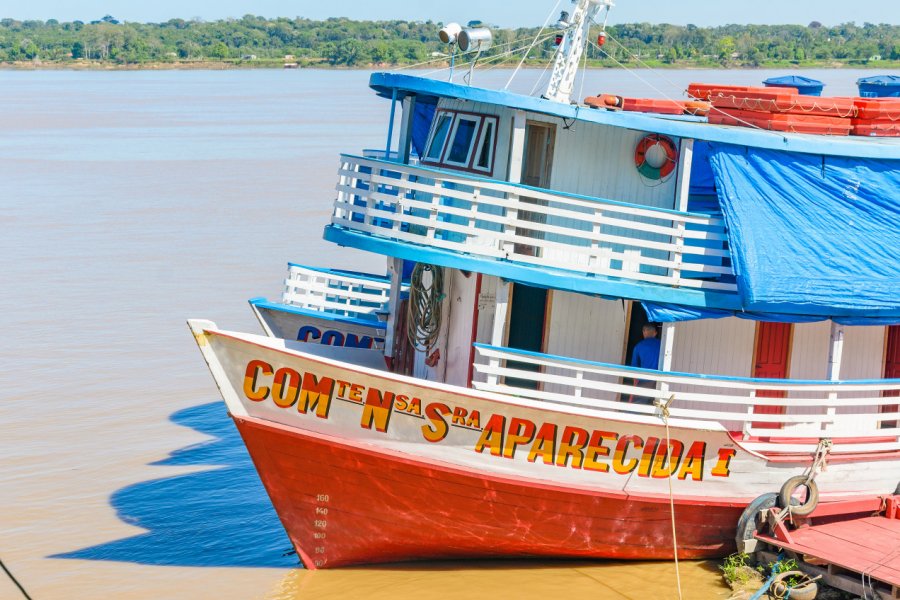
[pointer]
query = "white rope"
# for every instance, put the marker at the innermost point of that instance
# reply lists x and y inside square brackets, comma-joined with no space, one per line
[489,59]
[544,72]
[500,64]
[663,406]
[540,31]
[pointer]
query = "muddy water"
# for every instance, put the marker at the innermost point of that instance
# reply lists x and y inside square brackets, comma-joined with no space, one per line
[129,202]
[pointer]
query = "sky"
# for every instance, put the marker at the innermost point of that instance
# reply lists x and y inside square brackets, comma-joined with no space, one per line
[511,13]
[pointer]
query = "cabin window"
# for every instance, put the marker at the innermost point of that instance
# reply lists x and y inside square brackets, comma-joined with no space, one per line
[485,158]
[435,149]
[463,141]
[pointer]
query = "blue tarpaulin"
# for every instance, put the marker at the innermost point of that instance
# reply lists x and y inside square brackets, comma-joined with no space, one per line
[811,235]
[423,113]
[879,86]
[673,313]
[804,85]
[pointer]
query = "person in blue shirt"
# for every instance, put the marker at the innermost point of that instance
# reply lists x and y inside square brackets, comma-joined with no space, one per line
[646,356]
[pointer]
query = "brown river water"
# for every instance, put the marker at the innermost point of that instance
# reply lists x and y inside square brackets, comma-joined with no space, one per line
[130,201]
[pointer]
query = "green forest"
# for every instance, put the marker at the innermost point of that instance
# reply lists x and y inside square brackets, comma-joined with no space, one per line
[254,41]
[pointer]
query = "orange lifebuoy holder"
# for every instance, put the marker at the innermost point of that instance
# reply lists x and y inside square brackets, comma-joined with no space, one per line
[655,156]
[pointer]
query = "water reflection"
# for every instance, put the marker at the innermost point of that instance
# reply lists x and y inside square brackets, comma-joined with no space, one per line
[213,518]
[608,580]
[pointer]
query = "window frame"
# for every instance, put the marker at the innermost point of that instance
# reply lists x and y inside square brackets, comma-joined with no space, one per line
[491,150]
[470,164]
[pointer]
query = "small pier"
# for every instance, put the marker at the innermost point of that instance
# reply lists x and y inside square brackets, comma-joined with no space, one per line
[853,546]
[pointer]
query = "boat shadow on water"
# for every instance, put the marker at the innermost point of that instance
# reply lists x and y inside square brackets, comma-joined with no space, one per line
[219,517]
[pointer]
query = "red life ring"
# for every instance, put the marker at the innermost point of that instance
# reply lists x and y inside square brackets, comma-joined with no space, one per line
[643,165]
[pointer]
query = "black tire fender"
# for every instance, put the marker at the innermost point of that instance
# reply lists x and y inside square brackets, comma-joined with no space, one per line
[747,525]
[785,496]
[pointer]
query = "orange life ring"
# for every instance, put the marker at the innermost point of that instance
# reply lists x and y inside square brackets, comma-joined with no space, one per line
[640,156]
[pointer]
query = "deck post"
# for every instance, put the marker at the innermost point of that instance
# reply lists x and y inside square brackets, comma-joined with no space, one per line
[390,133]
[835,351]
[498,331]
[406,127]
[682,191]
[395,271]
[665,352]
[514,175]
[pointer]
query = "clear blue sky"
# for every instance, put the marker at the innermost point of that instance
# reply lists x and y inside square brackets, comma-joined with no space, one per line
[508,13]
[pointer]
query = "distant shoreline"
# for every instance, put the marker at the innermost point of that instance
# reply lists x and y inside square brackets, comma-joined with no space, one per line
[229,65]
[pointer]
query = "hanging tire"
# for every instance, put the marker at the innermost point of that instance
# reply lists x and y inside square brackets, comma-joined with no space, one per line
[747,525]
[786,495]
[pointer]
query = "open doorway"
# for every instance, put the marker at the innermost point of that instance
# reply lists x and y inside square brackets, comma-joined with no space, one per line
[527,317]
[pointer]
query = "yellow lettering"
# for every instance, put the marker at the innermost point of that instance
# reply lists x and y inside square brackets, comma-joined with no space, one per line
[620,465]
[544,444]
[377,410]
[492,435]
[438,428]
[317,394]
[255,368]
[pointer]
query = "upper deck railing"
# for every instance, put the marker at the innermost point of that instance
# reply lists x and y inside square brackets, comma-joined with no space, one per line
[767,415]
[341,293]
[499,220]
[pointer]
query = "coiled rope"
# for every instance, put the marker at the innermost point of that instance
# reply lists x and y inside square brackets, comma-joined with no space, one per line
[423,321]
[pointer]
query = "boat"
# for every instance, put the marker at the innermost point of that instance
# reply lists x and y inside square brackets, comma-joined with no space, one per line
[528,241]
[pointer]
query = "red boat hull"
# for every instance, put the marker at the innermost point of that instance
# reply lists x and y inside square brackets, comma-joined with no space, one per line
[343,505]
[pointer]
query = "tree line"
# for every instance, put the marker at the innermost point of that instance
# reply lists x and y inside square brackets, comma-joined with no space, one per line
[344,42]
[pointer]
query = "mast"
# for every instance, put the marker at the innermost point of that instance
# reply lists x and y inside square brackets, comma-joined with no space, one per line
[565,66]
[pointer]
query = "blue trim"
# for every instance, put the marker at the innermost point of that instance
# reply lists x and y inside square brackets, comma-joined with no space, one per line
[344,272]
[640,371]
[854,146]
[532,275]
[261,302]
[393,166]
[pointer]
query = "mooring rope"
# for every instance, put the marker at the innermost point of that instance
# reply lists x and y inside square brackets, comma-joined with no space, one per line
[14,580]
[663,406]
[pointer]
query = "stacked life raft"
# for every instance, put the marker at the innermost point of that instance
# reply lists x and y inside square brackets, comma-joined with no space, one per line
[770,108]
[784,109]
[649,105]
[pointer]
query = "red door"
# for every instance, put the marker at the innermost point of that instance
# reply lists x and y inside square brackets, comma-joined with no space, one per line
[892,367]
[773,347]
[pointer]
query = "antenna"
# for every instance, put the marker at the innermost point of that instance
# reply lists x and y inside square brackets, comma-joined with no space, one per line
[574,29]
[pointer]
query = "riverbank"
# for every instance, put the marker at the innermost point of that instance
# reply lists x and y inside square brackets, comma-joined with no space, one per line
[269,63]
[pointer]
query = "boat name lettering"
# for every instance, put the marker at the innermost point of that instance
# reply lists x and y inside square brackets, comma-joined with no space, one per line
[500,436]
[333,337]
[598,450]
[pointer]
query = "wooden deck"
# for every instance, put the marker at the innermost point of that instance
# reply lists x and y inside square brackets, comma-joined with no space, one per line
[859,552]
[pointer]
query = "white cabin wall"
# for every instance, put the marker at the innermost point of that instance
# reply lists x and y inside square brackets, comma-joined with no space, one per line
[487,306]
[459,334]
[861,358]
[585,327]
[714,347]
[809,351]
[580,153]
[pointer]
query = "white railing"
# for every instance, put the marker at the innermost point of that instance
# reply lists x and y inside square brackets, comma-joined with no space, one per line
[860,416]
[477,216]
[343,293]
